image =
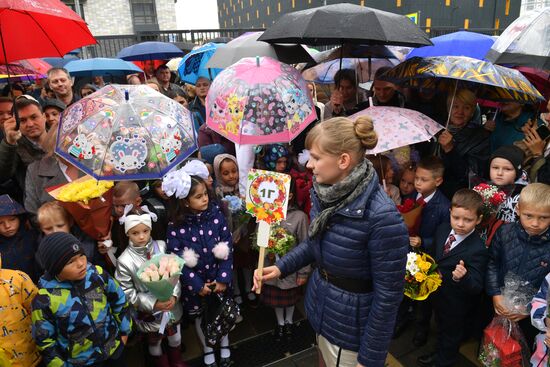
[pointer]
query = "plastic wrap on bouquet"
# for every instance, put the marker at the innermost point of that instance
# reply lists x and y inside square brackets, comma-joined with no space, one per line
[89,202]
[161,275]
[421,276]
[517,294]
[412,215]
[504,345]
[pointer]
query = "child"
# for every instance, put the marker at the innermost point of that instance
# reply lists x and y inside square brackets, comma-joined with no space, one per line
[226,172]
[199,233]
[80,315]
[406,182]
[540,319]
[16,294]
[141,247]
[17,242]
[52,217]
[505,172]
[283,294]
[461,258]
[428,177]
[384,170]
[522,248]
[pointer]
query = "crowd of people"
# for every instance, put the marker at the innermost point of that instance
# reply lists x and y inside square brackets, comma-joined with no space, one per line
[351,243]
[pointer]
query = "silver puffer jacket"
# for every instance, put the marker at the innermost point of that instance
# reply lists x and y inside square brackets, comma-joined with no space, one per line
[137,294]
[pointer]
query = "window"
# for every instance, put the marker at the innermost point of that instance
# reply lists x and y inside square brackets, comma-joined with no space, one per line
[70,4]
[144,12]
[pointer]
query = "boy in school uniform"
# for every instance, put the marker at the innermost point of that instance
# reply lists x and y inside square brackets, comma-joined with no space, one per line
[462,259]
[435,211]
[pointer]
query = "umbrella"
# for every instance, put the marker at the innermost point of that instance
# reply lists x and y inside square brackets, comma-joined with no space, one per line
[461,43]
[174,63]
[364,68]
[398,127]
[352,51]
[38,65]
[249,46]
[39,28]
[259,101]
[126,132]
[345,23]
[101,66]
[525,42]
[493,82]
[149,51]
[539,78]
[18,72]
[60,62]
[193,65]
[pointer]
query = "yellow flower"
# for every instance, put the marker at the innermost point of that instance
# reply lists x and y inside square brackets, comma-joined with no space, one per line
[84,191]
[420,276]
[424,266]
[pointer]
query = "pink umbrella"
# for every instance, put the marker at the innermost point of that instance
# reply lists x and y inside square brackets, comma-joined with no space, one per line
[398,127]
[38,65]
[259,101]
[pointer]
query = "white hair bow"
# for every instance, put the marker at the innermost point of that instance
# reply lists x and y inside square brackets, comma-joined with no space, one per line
[196,168]
[303,157]
[143,208]
[177,183]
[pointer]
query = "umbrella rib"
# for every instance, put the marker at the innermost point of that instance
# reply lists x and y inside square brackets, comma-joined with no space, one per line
[44,31]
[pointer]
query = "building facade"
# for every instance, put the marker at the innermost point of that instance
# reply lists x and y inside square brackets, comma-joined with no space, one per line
[528,5]
[125,17]
[467,14]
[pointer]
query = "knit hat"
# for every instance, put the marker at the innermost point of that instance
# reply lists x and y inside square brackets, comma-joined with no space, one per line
[8,206]
[513,155]
[56,249]
[54,102]
[272,153]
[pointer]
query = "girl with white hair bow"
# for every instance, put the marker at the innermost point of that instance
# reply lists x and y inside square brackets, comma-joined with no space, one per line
[199,233]
[137,226]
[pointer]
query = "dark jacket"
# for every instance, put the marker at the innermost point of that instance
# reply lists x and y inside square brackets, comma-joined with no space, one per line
[457,298]
[79,323]
[434,214]
[513,250]
[207,136]
[367,240]
[14,159]
[471,152]
[18,252]
[198,111]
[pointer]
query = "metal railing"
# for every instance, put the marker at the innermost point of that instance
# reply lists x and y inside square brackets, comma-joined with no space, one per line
[109,46]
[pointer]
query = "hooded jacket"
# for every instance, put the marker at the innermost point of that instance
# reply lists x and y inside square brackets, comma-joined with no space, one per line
[136,292]
[79,323]
[365,240]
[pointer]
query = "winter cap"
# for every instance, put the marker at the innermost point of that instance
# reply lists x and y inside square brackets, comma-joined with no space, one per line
[512,154]
[54,102]
[56,249]
[8,206]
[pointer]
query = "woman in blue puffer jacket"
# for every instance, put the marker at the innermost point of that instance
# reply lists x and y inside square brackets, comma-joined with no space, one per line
[359,243]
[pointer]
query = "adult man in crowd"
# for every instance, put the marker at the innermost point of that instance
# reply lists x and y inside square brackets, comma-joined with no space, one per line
[61,83]
[197,107]
[6,112]
[163,75]
[19,148]
[52,111]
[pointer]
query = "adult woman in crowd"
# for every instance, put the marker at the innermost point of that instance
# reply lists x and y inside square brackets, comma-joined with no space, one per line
[359,242]
[464,145]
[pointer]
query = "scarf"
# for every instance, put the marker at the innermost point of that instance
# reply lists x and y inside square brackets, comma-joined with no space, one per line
[337,196]
[222,189]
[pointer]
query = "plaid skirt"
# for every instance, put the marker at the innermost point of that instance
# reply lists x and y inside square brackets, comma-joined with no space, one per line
[276,297]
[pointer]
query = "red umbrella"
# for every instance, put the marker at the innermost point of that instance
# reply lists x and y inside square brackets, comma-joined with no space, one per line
[39,28]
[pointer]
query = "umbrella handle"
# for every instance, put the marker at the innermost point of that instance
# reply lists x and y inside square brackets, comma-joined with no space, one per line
[451,107]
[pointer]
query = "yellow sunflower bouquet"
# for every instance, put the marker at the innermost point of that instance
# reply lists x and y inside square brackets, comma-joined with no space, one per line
[421,277]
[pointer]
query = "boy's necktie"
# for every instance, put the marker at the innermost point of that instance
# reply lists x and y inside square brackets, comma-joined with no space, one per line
[420,201]
[448,244]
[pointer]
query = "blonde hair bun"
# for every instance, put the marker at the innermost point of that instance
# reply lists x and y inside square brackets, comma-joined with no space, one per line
[364,129]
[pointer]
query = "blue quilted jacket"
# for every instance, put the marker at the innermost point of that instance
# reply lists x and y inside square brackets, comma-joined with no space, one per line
[513,250]
[367,239]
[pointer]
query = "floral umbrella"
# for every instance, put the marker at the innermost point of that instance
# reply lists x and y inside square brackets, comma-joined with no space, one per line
[126,132]
[259,101]
[398,127]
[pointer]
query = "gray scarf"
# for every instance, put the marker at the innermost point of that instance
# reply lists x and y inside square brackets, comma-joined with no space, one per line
[337,196]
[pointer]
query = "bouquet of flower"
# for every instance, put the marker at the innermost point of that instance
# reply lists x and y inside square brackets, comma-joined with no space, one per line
[280,241]
[421,276]
[89,202]
[503,345]
[234,210]
[161,275]
[412,215]
[492,198]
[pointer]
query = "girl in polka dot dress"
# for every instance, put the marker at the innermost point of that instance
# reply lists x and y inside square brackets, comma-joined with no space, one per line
[198,232]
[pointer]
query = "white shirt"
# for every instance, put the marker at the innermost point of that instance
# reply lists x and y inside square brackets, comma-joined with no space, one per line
[458,238]
[427,198]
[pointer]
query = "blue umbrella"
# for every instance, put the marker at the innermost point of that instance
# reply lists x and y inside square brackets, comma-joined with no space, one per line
[101,66]
[150,51]
[470,44]
[193,65]
[59,62]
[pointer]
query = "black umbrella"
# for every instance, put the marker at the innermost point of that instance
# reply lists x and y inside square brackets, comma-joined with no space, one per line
[248,46]
[345,23]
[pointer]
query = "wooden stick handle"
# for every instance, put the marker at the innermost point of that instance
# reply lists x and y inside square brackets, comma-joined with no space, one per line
[260,268]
